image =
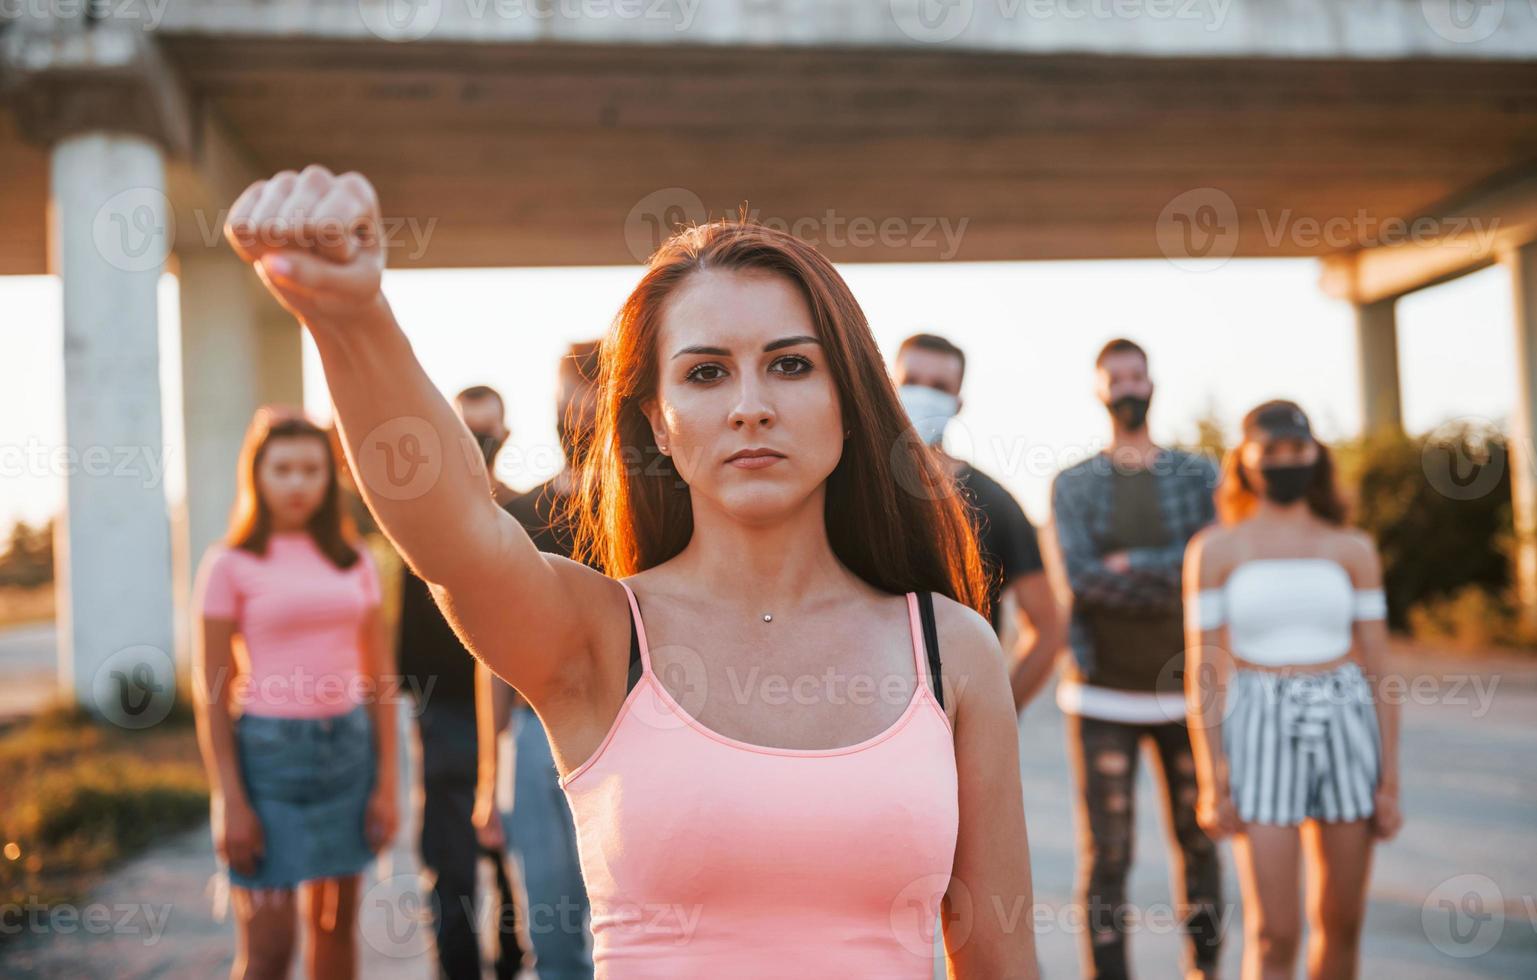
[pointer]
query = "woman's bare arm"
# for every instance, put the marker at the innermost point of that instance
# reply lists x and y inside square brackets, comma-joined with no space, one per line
[379,667]
[213,673]
[987,913]
[237,831]
[493,710]
[1371,638]
[1208,668]
[314,239]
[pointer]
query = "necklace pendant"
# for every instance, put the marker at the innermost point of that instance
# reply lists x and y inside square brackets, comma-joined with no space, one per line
[768,617]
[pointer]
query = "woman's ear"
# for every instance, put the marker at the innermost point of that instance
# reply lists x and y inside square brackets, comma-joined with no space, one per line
[648,408]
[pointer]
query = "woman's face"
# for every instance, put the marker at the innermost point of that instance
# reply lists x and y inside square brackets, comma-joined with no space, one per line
[291,479]
[1264,451]
[745,403]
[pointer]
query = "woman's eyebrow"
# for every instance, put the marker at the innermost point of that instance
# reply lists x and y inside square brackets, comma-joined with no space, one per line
[718,352]
[772,345]
[789,342]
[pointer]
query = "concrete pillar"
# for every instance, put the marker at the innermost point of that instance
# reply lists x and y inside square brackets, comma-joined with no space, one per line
[1377,360]
[108,239]
[239,350]
[1522,262]
[280,377]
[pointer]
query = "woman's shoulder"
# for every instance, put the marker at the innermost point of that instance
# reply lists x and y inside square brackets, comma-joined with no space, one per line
[1356,550]
[222,557]
[976,682]
[1212,548]
[965,638]
[219,582]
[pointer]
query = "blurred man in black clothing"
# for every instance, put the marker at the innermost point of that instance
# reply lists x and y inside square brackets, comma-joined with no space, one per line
[928,375]
[441,673]
[540,828]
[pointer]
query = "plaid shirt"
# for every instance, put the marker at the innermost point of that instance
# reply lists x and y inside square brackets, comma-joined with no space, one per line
[1081,500]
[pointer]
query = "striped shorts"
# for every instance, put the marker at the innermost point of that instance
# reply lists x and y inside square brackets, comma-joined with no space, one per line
[1302,746]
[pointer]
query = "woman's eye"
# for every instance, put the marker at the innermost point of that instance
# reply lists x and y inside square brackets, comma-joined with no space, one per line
[705,372]
[791,365]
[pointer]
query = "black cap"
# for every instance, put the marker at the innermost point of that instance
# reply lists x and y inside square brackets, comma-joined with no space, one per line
[1278,420]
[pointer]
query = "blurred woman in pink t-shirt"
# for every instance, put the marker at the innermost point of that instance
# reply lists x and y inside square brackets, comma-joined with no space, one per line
[294,720]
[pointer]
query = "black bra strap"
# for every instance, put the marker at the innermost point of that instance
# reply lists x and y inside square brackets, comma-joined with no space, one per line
[931,642]
[635,664]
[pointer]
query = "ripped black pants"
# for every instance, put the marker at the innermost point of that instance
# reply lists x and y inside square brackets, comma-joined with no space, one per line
[1104,757]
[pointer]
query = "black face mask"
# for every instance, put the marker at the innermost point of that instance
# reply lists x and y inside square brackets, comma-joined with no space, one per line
[1130,411]
[1287,484]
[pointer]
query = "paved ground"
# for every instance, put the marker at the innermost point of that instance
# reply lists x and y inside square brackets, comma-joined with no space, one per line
[1454,896]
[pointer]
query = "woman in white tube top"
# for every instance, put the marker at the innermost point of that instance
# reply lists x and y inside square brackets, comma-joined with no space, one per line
[1296,754]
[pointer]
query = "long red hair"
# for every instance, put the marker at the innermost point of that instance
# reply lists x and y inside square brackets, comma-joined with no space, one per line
[250,524]
[893,515]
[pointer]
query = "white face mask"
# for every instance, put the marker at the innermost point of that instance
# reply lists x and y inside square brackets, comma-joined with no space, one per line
[929,409]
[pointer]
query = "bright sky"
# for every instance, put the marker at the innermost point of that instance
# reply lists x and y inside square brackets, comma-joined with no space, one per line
[1224,338]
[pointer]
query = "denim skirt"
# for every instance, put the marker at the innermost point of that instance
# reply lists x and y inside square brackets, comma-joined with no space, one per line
[1302,746]
[309,780]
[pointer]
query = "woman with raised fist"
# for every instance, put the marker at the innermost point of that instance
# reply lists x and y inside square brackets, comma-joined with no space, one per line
[784,729]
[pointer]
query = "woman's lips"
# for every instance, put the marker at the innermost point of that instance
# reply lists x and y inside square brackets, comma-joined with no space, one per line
[754,459]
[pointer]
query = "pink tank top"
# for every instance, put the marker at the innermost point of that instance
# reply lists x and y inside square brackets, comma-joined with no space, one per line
[708,857]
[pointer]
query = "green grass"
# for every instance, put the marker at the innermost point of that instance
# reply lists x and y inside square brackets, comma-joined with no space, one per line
[78,795]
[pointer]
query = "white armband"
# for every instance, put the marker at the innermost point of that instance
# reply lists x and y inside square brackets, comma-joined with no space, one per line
[1370,604]
[1207,610]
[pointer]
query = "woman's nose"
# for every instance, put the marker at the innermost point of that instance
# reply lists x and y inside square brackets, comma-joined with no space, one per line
[751,409]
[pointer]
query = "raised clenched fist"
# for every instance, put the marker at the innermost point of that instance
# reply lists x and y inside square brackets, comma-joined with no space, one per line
[314,239]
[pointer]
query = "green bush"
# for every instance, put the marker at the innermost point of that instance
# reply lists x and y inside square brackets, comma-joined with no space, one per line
[1439,508]
[1471,619]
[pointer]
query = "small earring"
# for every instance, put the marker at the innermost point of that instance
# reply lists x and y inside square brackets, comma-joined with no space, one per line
[847,433]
